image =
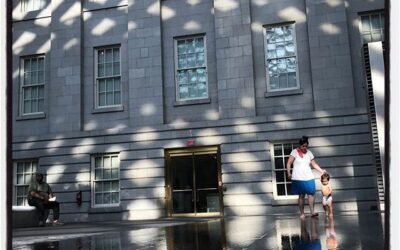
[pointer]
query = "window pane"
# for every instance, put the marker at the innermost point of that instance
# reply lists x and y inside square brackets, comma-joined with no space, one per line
[110,85]
[107,198]
[283,81]
[192,76]
[190,45]
[182,78]
[27,78]
[116,69]
[279,34]
[27,65]
[115,186]
[100,70]
[117,97]
[41,64]
[367,38]
[20,179]
[281,189]
[271,50]
[98,162]
[98,198]
[183,91]
[289,33]
[191,60]
[109,56]
[192,91]
[271,35]
[114,173]
[117,84]
[201,75]
[34,77]
[292,80]
[279,163]
[34,65]
[200,60]
[202,90]
[100,56]
[274,82]
[27,93]
[40,77]
[102,99]
[34,106]
[108,68]
[376,36]
[277,149]
[34,93]
[107,173]
[98,186]
[199,45]
[98,174]
[376,22]
[287,149]
[116,55]
[289,49]
[20,167]
[110,98]
[114,197]
[40,91]
[280,50]
[282,66]
[181,47]
[182,61]
[291,64]
[280,177]
[365,23]
[107,186]
[27,107]
[114,162]
[20,201]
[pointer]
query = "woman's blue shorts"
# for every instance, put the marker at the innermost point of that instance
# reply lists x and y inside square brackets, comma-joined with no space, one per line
[303,187]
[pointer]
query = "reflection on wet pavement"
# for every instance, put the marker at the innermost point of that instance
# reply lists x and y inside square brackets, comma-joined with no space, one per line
[355,231]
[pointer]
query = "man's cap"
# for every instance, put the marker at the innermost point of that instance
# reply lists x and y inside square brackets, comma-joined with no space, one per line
[39,174]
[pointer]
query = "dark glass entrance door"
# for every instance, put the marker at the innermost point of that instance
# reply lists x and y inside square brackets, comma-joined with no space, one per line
[193,182]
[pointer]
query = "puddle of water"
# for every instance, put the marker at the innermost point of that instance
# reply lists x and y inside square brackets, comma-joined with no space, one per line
[257,232]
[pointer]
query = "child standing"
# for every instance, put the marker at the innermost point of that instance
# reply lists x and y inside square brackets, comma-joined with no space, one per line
[326,191]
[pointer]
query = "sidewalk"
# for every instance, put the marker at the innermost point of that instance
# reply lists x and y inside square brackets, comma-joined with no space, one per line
[348,231]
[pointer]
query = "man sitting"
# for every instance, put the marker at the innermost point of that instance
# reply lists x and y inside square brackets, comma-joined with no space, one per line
[41,196]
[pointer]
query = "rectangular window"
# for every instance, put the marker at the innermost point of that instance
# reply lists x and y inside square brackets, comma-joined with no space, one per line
[32,85]
[31,5]
[24,172]
[108,77]
[280,156]
[280,57]
[372,27]
[191,68]
[105,180]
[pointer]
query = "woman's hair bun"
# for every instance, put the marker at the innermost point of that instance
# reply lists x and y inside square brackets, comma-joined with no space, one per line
[304,139]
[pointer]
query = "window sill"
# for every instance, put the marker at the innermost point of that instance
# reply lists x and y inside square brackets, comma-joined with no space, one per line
[192,102]
[31,117]
[95,210]
[108,109]
[289,200]
[284,93]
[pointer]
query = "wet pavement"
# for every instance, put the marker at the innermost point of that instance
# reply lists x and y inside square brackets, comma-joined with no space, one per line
[344,231]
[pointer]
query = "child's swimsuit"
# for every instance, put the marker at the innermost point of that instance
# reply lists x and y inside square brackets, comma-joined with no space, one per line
[326,200]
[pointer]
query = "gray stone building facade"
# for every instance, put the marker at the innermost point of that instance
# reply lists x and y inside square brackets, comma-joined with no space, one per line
[153,108]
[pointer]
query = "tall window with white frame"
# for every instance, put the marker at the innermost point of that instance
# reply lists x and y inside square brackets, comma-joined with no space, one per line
[24,172]
[281,57]
[281,153]
[32,85]
[32,5]
[191,68]
[372,27]
[108,77]
[105,179]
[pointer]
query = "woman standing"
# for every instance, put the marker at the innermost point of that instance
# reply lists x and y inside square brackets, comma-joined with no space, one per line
[302,177]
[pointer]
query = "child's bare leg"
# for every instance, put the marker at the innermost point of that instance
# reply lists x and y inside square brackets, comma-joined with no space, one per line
[330,206]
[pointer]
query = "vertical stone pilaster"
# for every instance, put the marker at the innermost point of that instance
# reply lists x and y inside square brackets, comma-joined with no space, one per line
[145,63]
[65,67]
[330,54]
[234,58]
